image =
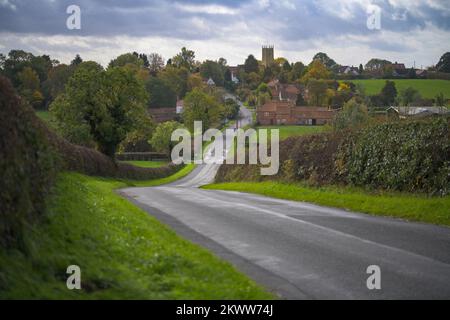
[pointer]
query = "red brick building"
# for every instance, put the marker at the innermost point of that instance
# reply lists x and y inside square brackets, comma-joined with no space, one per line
[277,112]
[282,108]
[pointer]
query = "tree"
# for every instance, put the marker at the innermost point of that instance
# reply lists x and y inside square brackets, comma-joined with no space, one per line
[212,69]
[76,61]
[316,70]
[444,63]
[184,59]
[317,90]
[361,68]
[56,80]
[408,96]
[161,94]
[376,65]
[156,63]
[251,64]
[29,86]
[231,109]
[352,115]
[101,105]
[175,78]
[388,93]
[194,81]
[297,71]
[325,60]
[127,59]
[287,66]
[161,139]
[199,106]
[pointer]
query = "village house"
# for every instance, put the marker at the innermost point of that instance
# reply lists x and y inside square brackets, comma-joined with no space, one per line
[282,109]
[348,70]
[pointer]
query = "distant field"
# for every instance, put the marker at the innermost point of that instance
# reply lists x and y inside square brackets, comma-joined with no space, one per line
[290,131]
[147,164]
[427,88]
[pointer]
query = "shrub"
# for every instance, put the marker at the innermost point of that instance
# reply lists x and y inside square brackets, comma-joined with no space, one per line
[27,166]
[409,156]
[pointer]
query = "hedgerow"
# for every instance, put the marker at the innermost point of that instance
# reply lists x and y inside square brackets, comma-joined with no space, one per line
[411,156]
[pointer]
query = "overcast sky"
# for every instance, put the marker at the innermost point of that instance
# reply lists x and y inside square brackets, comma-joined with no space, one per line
[411,30]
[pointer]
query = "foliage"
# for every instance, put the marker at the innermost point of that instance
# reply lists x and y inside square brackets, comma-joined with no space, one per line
[161,95]
[325,60]
[409,96]
[213,70]
[353,115]
[176,79]
[184,59]
[27,168]
[388,93]
[408,156]
[316,70]
[126,59]
[161,140]
[444,63]
[199,106]
[156,63]
[102,106]
[316,92]
[251,64]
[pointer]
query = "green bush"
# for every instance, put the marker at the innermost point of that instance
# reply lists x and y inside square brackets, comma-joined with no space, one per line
[409,156]
[27,166]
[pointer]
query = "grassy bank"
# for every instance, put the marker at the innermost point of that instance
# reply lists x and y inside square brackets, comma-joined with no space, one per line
[123,252]
[428,88]
[405,206]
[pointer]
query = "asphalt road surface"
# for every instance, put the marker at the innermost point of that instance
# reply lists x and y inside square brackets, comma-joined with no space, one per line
[304,251]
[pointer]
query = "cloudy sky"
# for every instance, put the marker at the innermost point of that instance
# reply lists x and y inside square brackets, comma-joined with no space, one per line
[410,30]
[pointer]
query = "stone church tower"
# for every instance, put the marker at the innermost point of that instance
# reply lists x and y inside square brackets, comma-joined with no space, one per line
[267,55]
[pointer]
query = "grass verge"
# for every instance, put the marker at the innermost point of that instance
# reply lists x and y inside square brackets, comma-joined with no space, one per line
[405,206]
[123,252]
[147,164]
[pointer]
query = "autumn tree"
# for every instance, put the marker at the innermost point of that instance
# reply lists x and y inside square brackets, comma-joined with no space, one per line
[316,70]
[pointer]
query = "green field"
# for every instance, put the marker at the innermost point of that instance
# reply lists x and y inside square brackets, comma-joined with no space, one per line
[147,164]
[291,131]
[427,88]
[123,252]
[399,205]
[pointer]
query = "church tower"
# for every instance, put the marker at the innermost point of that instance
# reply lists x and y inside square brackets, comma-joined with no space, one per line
[267,55]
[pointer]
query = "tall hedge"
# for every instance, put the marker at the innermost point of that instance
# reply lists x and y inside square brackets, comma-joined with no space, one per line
[411,156]
[27,166]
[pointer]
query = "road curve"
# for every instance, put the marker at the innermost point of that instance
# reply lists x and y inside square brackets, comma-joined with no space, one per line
[304,251]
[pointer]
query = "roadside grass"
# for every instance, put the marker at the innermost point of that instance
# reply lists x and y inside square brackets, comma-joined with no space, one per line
[292,131]
[123,252]
[428,88]
[46,117]
[411,207]
[147,164]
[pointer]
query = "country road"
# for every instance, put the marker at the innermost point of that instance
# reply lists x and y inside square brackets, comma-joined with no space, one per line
[300,250]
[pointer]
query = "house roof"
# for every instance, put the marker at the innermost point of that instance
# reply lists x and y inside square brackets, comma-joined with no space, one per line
[414,111]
